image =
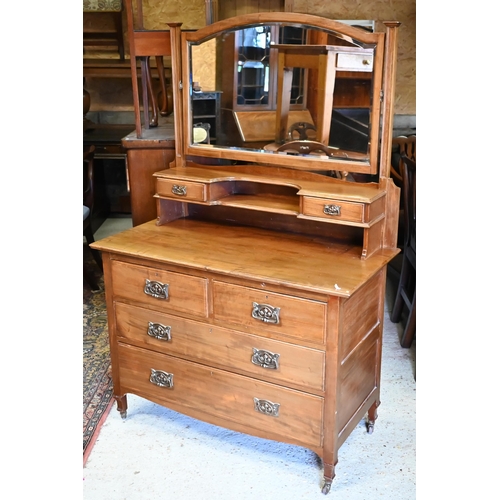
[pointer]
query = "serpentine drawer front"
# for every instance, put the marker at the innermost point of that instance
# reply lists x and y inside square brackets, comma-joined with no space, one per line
[263,358]
[164,290]
[222,394]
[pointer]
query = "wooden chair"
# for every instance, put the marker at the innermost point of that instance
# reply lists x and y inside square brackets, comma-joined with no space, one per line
[88,205]
[406,293]
[402,145]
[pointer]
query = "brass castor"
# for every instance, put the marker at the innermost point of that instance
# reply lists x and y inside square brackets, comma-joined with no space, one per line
[326,487]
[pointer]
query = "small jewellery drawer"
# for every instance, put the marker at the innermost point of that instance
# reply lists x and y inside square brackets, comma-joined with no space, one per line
[355,62]
[184,190]
[185,386]
[162,289]
[333,209]
[260,311]
[342,210]
[257,356]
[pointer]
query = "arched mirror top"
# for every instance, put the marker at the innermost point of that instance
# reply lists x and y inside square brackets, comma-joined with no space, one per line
[275,88]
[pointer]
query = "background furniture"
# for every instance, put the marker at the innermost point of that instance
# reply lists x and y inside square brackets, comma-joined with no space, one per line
[88,206]
[402,145]
[406,293]
[206,109]
[113,35]
[255,301]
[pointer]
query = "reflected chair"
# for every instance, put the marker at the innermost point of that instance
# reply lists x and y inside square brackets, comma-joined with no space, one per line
[406,292]
[88,206]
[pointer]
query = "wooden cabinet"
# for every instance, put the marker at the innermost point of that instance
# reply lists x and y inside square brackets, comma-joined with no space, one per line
[255,300]
[154,151]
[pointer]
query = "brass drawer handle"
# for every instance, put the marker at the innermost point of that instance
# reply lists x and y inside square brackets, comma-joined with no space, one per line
[179,190]
[265,359]
[266,313]
[156,289]
[266,407]
[331,210]
[159,331]
[366,62]
[161,378]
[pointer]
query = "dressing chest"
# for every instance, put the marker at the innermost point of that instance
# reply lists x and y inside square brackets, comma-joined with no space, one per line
[255,300]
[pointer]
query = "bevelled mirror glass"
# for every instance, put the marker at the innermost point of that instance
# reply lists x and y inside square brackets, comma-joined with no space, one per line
[270,89]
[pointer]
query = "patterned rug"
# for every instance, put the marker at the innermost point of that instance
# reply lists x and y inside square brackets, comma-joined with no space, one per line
[97,383]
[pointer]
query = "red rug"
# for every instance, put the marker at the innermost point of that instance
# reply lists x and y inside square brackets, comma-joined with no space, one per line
[97,382]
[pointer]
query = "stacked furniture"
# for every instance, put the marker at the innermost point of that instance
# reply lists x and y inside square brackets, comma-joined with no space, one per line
[255,299]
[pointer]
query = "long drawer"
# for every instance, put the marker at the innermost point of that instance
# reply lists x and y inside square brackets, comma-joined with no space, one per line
[163,289]
[261,311]
[235,398]
[266,359]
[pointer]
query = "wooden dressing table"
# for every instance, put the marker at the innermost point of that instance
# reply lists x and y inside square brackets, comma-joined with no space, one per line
[255,300]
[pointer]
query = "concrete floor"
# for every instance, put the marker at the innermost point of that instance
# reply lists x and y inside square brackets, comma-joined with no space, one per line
[157,454]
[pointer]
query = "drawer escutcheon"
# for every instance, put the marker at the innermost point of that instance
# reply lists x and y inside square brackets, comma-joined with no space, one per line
[156,289]
[265,359]
[161,378]
[331,210]
[159,331]
[266,407]
[266,313]
[179,190]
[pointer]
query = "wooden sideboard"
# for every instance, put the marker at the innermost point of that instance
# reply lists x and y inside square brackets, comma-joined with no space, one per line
[255,300]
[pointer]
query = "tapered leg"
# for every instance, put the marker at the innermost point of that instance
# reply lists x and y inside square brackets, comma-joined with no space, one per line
[372,416]
[328,475]
[121,403]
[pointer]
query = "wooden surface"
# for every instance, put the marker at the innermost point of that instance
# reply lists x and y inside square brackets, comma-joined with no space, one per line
[231,250]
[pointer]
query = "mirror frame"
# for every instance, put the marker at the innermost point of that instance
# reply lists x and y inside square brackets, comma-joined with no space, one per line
[357,36]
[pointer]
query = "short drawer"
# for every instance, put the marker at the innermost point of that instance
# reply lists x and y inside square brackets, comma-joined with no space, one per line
[355,62]
[197,389]
[264,358]
[165,290]
[333,209]
[264,312]
[184,190]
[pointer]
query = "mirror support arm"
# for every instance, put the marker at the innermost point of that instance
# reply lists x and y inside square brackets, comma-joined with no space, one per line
[390,58]
[175,42]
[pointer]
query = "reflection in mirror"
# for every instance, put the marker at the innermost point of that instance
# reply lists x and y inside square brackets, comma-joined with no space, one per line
[279,83]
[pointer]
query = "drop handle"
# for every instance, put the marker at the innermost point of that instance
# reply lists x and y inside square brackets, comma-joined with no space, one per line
[179,190]
[156,289]
[159,331]
[266,313]
[331,209]
[266,407]
[161,378]
[265,359]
